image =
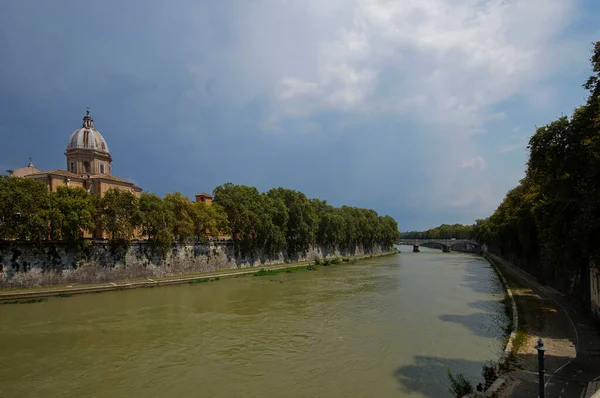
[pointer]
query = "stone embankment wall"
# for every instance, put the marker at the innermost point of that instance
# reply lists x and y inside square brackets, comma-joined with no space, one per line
[22,265]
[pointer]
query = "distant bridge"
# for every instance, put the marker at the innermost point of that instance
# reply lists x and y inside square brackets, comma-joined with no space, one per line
[444,244]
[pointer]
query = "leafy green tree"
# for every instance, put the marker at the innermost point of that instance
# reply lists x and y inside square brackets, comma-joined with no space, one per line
[208,221]
[119,214]
[555,211]
[182,210]
[72,214]
[245,212]
[24,209]
[389,231]
[156,220]
[271,231]
[300,225]
[332,231]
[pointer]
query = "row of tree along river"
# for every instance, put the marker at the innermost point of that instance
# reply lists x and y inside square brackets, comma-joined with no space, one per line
[265,223]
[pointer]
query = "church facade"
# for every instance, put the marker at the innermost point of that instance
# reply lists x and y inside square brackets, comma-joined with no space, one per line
[88,165]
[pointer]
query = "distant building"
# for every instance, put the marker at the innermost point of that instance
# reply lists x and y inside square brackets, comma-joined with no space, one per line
[204,198]
[88,165]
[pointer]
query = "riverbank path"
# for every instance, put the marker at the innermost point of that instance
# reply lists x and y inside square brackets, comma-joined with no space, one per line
[573,345]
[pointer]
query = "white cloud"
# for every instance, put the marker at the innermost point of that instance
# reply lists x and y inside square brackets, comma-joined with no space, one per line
[477,163]
[439,66]
[445,61]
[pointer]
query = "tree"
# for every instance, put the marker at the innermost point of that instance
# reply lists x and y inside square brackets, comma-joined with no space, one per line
[182,210]
[555,210]
[252,218]
[156,220]
[272,228]
[24,209]
[208,221]
[332,230]
[119,214]
[72,213]
[301,223]
[389,231]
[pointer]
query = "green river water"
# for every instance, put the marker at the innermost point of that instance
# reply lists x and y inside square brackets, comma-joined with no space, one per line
[384,327]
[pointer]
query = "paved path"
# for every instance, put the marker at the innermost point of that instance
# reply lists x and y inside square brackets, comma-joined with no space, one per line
[571,377]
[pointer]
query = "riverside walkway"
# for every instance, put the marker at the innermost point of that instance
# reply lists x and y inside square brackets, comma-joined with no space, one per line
[573,345]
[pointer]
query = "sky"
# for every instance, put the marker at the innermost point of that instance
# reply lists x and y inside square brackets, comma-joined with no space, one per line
[419,109]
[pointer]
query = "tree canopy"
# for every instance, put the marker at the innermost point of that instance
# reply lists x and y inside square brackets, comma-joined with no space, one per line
[283,218]
[265,223]
[556,208]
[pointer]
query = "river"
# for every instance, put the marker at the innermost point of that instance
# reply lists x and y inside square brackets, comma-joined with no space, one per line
[383,327]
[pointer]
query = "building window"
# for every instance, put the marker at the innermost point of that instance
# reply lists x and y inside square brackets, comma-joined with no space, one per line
[72,167]
[86,167]
[101,168]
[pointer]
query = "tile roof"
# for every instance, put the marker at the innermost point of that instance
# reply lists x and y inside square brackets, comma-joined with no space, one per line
[109,177]
[62,173]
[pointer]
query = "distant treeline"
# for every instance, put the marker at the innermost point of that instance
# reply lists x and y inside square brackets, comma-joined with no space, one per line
[553,215]
[444,231]
[265,222]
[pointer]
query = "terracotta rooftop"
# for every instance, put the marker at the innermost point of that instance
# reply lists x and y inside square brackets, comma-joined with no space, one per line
[58,172]
[65,173]
[204,194]
[109,177]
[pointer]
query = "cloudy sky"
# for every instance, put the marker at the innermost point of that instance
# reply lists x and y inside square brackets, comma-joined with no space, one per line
[420,109]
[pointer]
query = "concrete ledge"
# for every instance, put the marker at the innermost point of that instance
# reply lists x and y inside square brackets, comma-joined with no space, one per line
[494,387]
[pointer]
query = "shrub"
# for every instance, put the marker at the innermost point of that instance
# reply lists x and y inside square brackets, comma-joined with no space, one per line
[459,386]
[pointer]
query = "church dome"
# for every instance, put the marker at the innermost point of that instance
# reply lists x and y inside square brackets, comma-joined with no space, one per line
[87,137]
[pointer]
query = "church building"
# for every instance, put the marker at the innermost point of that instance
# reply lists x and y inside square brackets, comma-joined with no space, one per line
[88,165]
